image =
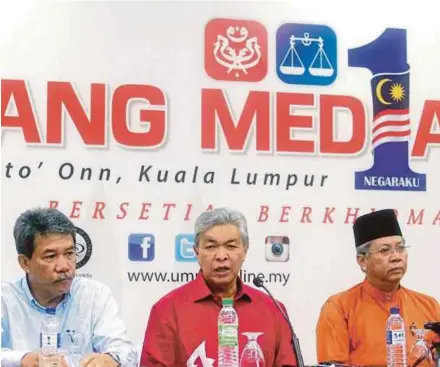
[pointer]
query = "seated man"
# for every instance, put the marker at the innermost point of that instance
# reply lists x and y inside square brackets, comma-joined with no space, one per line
[182,327]
[45,242]
[352,324]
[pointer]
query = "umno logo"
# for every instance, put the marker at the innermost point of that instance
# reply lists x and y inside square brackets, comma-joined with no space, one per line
[235,50]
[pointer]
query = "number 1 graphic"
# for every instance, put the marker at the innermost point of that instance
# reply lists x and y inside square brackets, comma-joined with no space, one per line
[386,58]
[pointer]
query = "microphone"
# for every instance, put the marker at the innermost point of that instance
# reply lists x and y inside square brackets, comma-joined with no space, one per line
[258,282]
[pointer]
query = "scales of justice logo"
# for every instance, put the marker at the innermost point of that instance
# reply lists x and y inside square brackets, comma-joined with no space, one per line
[320,66]
[306,54]
[386,58]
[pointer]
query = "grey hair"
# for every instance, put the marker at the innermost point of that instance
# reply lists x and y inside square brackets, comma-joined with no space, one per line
[364,248]
[218,216]
[39,221]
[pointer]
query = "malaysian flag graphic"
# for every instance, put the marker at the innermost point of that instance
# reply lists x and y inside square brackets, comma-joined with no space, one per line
[391,121]
[386,58]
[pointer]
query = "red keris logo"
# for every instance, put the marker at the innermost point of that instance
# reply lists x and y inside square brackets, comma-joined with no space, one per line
[236,50]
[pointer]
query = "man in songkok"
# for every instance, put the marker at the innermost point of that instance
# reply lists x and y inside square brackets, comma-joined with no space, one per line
[182,328]
[352,324]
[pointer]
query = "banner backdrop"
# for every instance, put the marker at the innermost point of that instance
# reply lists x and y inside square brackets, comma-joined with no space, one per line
[133,118]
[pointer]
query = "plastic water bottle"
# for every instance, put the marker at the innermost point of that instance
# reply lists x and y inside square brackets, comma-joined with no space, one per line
[396,340]
[50,342]
[227,335]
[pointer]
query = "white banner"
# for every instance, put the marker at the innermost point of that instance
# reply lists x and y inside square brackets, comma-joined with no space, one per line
[133,118]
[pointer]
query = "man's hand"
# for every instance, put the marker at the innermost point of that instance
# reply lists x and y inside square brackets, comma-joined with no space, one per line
[98,360]
[32,360]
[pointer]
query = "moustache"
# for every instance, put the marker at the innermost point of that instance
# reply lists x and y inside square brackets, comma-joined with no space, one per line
[63,277]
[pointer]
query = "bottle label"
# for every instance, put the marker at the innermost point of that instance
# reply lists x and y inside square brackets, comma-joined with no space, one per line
[51,340]
[396,337]
[228,335]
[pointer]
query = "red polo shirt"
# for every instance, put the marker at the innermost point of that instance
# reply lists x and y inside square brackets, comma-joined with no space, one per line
[183,326]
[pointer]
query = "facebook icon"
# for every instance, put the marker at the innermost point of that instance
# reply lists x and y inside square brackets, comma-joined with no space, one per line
[141,247]
[184,248]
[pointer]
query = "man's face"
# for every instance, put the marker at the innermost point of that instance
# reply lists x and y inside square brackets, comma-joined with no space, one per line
[53,264]
[221,253]
[386,262]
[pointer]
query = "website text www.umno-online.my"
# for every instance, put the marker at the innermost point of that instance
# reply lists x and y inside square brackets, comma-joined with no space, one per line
[184,277]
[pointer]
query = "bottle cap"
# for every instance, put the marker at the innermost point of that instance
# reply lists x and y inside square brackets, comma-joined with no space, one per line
[394,310]
[227,301]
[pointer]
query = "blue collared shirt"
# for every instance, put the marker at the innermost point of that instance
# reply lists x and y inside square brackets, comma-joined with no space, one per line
[89,308]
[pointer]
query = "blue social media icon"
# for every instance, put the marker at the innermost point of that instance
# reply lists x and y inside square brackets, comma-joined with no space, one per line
[141,247]
[184,248]
[306,54]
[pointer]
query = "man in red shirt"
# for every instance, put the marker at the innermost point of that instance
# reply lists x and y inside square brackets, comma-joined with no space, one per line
[182,327]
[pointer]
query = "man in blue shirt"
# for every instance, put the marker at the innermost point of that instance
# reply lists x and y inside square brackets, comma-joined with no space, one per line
[45,242]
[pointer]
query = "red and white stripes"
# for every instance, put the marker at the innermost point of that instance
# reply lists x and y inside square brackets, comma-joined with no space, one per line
[391,126]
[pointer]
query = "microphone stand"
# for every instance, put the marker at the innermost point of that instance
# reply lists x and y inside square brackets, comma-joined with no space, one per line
[294,341]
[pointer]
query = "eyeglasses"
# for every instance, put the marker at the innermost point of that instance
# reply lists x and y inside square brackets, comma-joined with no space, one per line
[388,250]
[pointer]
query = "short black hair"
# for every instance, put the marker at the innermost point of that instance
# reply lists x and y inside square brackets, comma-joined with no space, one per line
[39,221]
